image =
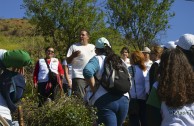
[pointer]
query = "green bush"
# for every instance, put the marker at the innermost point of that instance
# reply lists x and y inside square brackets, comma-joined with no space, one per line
[66,111]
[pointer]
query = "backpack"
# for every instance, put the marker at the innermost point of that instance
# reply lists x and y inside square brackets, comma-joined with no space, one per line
[12,85]
[116,81]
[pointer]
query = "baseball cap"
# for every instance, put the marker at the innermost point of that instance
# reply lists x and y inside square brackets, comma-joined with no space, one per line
[186,41]
[102,42]
[170,45]
[146,50]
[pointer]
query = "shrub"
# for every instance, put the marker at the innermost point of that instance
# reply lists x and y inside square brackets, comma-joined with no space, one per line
[67,111]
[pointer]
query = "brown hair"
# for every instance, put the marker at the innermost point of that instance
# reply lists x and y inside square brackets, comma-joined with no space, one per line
[157,50]
[88,33]
[176,81]
[124,49]
[138,58]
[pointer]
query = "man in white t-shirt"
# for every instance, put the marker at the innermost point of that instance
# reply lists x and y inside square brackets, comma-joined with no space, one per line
[78,55]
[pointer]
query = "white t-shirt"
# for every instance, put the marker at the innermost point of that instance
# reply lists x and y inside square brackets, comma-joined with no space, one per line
[4,110]
[147,78]
[127,62]
[78,63]
[2,51]
[148,65]
[183,116]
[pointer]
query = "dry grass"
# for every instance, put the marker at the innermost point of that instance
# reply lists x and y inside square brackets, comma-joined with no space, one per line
[16,27]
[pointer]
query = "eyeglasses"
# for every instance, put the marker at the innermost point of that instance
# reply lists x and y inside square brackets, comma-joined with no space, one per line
[50,51]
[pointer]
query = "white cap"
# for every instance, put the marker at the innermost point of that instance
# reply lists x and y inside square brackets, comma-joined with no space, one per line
[170,45]
[186,41]
[102,42]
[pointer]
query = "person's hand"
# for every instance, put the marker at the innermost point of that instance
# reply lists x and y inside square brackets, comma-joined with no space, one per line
[19,70]
[69,84]
[76,53]
[35,85]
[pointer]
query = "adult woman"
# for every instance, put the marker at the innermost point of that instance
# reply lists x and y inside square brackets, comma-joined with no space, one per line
[112,109]
[138,90]
[124,56]
[155,55]
[175,89]
[41,75]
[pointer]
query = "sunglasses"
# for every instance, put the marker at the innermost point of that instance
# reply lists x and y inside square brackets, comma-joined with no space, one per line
[50,51]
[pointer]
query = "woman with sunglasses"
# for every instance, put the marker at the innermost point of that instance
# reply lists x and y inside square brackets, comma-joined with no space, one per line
[41,75]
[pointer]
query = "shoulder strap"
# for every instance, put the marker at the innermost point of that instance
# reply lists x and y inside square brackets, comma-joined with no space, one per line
[47,65]
[133,72]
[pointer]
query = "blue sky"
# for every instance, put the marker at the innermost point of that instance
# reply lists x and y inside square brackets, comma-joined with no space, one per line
[182,23]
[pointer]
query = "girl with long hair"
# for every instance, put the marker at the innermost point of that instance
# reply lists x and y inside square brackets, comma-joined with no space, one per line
[138,90]
[175,89]
[111,109]
[172,97]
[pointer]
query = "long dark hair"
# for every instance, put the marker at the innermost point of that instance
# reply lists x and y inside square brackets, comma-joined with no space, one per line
[176,80]
[111,57]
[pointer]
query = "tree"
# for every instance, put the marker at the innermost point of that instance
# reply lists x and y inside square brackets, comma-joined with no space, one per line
[139,21]
[60,21]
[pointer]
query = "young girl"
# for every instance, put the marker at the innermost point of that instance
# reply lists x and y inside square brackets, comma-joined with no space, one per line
[171,100]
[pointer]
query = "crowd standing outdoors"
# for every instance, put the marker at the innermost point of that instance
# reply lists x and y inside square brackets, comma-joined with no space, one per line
[161,80]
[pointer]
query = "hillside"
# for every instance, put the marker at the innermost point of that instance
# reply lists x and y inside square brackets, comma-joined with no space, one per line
[16,33]
[16,27]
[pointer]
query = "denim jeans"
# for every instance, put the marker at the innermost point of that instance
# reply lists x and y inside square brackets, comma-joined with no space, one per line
[112,109]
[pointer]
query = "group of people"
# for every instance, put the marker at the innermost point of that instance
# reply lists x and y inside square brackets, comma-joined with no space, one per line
[161,80]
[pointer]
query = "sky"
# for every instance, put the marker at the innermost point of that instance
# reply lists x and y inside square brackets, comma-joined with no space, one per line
[182,23]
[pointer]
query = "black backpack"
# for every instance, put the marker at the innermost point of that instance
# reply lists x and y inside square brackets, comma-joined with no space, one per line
[12,85]
[116,81]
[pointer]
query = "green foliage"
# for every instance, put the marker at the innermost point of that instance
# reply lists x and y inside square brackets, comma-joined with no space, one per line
[139,20]
[67,111]
[61,21]
[11,42]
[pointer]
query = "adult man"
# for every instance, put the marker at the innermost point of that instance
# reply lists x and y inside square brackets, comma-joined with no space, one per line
[78,55]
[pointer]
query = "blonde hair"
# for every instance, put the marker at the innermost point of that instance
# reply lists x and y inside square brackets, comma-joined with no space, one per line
[157,50]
